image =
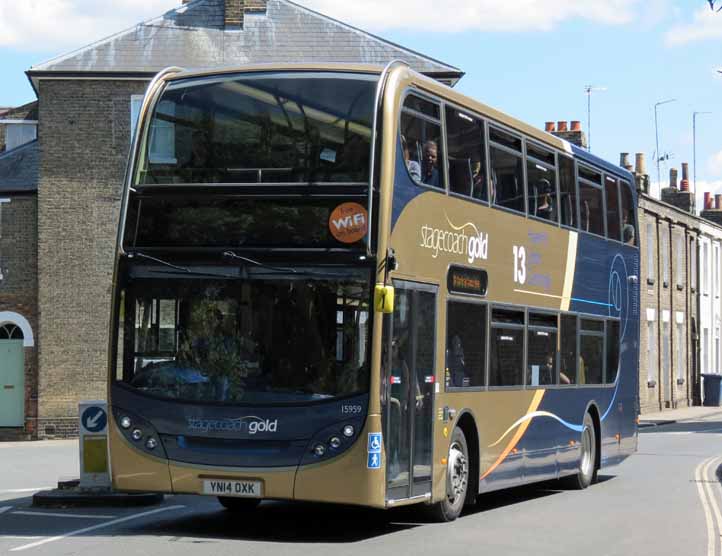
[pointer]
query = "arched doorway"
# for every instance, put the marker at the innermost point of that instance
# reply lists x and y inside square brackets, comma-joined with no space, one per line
[12,375]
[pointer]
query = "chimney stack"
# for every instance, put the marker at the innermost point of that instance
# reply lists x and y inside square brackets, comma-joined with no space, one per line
[683,199]
[684,185]
[575,135]
[712,208]
[234,13]
[550,127]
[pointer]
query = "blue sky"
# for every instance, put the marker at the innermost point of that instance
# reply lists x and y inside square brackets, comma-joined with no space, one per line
[530,58]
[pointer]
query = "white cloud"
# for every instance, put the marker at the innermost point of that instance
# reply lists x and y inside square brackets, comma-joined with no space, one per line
[468,15]
[705,25]
[714,165]
[47,25]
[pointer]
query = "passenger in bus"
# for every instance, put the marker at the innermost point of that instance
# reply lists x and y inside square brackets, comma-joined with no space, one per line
[478,180]
[412,165]
[430,163]
[628,234]
[545,209]
[456,363]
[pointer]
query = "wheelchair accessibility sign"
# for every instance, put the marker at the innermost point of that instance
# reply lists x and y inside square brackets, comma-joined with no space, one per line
[374,450]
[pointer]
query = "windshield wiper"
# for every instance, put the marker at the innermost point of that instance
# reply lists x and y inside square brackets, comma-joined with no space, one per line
[183,269]
[232,255]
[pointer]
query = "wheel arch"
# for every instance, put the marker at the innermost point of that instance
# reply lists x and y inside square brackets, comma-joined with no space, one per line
[466,421]
[593,411]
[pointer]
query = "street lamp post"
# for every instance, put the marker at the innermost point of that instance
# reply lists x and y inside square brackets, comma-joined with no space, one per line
[694,147]
[656,134]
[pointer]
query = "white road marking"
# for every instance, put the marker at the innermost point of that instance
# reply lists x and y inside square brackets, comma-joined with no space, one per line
[17,538]
[95,528]
[80,516]
[5,508]
[705,507]
[20,490]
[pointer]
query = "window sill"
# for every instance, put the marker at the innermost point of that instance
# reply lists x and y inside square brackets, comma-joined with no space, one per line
[651,384]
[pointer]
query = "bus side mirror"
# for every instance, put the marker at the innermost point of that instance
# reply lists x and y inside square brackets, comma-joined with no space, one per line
[384,299]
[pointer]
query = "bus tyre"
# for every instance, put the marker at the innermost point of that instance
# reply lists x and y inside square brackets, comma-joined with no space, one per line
[239,504]
[457,479]
[587,473]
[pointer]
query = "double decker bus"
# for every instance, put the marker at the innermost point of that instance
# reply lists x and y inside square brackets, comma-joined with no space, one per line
[354,285]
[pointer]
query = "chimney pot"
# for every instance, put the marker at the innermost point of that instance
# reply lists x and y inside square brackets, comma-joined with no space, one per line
[641,166]
[707,200]
[549,127]
[562,127]
[673,174]
[684,185]
[576,125]
[624,161]
[718,202]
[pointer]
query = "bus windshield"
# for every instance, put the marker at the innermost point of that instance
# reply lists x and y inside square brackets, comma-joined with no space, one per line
[292,128]
[267,337]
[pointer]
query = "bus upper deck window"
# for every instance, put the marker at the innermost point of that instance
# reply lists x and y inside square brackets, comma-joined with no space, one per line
[542,183]
[507,170]
[591,201]
[629,229]
[613,229]
[567,192]
[421,141]
[465,141]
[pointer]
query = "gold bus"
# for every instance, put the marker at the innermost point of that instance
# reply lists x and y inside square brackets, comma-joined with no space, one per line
[355,285]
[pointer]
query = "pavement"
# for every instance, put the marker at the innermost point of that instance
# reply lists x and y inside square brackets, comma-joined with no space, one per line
[680,415]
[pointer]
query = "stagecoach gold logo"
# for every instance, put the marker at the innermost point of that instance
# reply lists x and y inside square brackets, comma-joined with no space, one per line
[465,240]
[250,424]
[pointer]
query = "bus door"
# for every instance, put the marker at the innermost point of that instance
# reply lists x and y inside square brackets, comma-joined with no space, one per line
[410,382]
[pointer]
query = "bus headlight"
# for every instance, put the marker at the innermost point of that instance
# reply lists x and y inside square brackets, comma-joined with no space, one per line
[151,443]
[319,450]
[335,442]
[125,422]
[348,431]
[136,435]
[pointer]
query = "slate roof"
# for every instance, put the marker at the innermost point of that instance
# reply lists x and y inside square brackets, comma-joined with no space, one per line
[20,169]
[193,36]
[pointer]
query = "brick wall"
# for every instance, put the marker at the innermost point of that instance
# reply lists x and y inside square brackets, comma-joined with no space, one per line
[19,287]
[84,141]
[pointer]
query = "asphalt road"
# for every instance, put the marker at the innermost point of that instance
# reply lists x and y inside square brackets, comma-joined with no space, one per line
[664,500]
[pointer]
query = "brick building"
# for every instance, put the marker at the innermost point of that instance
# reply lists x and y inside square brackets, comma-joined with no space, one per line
[87,101]
[18,289]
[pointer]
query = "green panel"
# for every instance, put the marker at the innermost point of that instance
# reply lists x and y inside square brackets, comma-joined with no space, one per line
[12,383]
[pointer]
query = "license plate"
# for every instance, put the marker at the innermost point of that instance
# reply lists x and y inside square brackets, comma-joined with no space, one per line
[242,489]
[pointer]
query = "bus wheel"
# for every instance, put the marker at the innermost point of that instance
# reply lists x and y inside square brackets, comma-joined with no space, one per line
[457,479]
[588,460]
[239,504]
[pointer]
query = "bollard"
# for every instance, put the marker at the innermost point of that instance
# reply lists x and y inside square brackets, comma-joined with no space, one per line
[93,427]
